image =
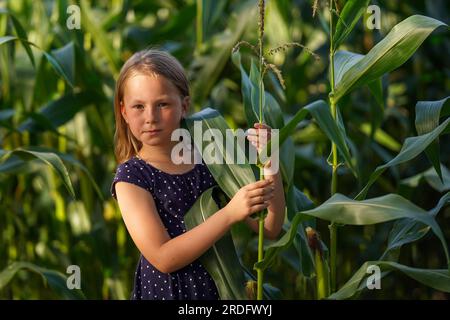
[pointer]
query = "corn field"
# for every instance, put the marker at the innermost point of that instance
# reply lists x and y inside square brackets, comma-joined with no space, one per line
[362,110]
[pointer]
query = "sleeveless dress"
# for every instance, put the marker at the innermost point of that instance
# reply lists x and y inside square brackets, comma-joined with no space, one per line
[174,195]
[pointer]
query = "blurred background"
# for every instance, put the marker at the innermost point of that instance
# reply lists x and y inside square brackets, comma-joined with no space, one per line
[69,111]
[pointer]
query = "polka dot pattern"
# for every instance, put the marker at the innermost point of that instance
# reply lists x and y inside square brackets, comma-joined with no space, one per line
[174,195]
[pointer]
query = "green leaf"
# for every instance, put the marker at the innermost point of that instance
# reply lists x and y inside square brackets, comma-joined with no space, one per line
[66,59]
[229,176]
[343,210]
[343,61]
[53,62]
[57,67]
[62,110]
[351,13]
[65,157]
[6,39]
[408,230]
[335,132]
[221,259]
[412,147]
[48,158]
[15,165]
[428,114]
[70,159]
[438,279]
[255,90]
[432,178]
[56,280]
[272,250]
[390,53]
[22,35]
[246,89]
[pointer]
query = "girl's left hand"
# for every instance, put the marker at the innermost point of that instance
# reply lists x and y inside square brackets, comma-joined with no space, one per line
[259,136]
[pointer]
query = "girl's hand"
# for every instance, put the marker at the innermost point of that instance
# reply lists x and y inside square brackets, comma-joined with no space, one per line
[250,199]
[259,136]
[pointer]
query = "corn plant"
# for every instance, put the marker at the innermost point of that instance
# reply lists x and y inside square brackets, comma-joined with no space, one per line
[349,71]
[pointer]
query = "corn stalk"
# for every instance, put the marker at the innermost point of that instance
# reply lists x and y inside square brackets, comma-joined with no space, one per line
[333,227]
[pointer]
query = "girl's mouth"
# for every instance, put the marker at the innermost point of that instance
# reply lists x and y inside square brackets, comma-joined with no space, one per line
[152,132]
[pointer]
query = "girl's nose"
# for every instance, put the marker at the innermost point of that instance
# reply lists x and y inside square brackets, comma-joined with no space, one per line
[151,114]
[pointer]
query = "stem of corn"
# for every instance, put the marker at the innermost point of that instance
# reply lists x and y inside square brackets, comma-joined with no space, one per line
[260,272]
[333,227]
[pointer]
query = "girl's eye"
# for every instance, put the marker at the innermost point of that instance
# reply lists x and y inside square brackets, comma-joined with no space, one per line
[138,106]
[162,104]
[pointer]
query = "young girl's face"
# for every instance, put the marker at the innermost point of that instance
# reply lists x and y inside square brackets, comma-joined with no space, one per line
[152,107]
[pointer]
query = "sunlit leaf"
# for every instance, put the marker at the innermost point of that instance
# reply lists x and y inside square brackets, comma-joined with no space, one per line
[388,54]
[351,13]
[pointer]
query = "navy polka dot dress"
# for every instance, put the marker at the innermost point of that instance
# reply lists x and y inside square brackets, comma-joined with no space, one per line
[174,195]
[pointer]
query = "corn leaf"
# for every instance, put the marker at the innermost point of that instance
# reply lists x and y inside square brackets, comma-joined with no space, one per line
[432,178]
[408,230]
[230,176]
[54,279]
[351,13]
[412,147]
[428,114]
[343,210]
[343,61]
[390,53]
[22,35]
[48,158]
[438,279]
[251,115]
[221,259]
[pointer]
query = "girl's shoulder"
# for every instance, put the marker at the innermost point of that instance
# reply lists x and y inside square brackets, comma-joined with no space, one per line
[135,172]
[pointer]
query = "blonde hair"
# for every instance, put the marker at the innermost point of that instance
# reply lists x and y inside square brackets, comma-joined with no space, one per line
[148,62]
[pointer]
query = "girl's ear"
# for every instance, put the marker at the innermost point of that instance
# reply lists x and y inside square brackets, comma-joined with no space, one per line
[185,104]
[123,112]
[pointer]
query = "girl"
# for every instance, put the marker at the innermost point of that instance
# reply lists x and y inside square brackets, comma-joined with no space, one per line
[151,98]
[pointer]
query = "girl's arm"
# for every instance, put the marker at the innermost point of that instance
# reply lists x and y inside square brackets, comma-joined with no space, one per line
[168,254]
